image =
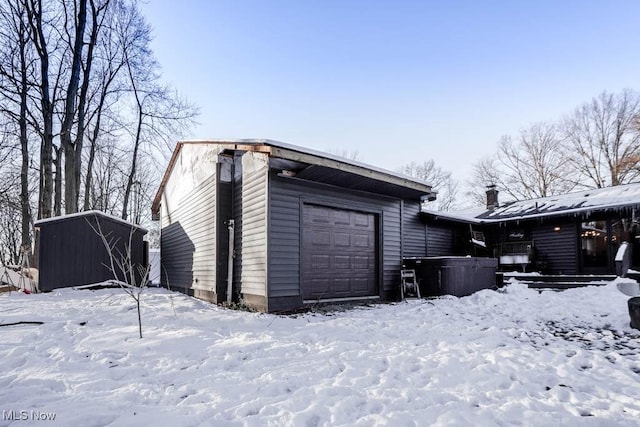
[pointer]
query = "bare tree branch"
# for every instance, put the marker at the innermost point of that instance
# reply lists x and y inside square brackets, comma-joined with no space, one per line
[440,180]
[605,138]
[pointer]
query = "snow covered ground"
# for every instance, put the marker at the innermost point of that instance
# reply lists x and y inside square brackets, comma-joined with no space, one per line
[511,357]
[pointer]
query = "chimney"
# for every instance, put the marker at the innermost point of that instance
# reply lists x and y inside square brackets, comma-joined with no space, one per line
[492,197]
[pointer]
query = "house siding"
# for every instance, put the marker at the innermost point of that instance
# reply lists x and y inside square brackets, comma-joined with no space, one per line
[440,240]
[255,168]
[287,197]
[559,249]
[413,230]
[188,224]
[188,243]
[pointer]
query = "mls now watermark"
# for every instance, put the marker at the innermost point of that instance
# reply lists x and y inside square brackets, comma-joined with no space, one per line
[31,415]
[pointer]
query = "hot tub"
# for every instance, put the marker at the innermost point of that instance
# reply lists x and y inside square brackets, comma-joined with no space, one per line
[453,275]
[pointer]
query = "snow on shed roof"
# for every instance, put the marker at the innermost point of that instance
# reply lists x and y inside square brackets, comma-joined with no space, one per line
[89,213]
[585,201]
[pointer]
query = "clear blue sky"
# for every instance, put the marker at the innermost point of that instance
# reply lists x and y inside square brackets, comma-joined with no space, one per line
[396,80]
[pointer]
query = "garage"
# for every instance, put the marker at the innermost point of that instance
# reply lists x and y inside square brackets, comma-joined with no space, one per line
[339,253]
[307,226]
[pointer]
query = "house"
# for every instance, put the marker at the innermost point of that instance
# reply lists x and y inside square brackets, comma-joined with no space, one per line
[279,226]
[72,251]
[575,233]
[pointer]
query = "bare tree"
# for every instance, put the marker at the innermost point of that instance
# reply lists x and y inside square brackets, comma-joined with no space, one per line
[8,152]
[531,166]
[439,179]
[347,154]
[107,178]
[102,121]
[605,139]
[535,165]
[160,113]
[77,94]
[40,22]
[16,66]
[483,173]
[10,244]
[70,104]
[130,276]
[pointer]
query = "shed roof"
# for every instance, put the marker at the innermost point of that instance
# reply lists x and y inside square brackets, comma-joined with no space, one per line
[576,203]
[54,219]
[318,166]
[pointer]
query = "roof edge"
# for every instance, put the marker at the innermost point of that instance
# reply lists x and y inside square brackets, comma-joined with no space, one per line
[293,152]
[88,213]
[475,220]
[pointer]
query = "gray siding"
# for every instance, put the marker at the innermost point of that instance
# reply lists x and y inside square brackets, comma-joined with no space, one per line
[237,215]
[559,249]
[72,252]
[255,168]
[187,241]
[413,230]
[440,240]
[286,199]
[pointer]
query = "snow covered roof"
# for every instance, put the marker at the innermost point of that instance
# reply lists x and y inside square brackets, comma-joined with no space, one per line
[581,202]
[321,162]
[88,213]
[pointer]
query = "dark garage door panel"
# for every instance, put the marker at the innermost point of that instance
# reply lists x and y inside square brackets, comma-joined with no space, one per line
[339,253]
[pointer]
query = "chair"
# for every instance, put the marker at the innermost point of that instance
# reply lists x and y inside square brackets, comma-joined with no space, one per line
[409,284]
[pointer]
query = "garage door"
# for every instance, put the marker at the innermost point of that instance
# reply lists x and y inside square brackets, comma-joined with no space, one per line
[339,253]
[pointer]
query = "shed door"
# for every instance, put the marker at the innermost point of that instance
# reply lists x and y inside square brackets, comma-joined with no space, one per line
[339,253]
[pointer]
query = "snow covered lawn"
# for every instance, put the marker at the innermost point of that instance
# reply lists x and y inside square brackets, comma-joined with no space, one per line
[513,357]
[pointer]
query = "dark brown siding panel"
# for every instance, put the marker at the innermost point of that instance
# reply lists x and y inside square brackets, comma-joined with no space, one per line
[72,252]
[413,230]
[440,240]
[558,249]
[284,243]
[392,253]
[237,215]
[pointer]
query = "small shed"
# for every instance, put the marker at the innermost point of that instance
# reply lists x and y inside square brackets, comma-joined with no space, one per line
[72,252]
[278,227]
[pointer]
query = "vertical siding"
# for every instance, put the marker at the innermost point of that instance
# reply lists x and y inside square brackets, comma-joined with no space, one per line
[72,252]
[285,203]
[391,246]
[237,215]
[284,241]
[440,240]
[558,248]
[413,230]
[187,241]
[255,168]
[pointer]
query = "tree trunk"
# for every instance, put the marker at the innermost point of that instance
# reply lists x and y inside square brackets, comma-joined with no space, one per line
[57,200]
[34,13]
[134,165]
[82,100]
[92,150]
[67,144]
[89,177]
[25,209]
[139,316]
